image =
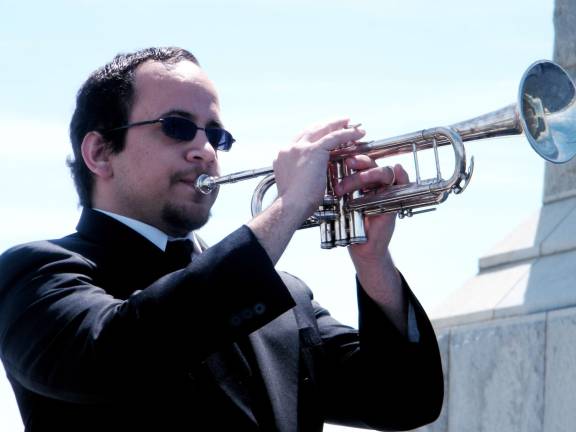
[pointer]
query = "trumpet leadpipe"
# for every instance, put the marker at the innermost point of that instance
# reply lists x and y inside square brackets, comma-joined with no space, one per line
[206,183]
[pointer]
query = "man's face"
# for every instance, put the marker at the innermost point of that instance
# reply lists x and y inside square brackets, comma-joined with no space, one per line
[153,177]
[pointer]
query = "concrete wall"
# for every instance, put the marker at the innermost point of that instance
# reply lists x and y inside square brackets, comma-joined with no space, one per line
[511,374]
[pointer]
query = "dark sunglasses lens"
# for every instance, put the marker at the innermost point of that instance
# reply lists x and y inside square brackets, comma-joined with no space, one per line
[220,139]
[179,128]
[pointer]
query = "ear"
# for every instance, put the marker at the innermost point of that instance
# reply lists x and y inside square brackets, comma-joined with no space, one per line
[96,153]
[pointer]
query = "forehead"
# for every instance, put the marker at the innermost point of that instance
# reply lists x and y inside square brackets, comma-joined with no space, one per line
[183,86]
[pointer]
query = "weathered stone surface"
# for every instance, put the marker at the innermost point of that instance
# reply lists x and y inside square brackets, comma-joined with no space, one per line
[549,286]
[544,232]
[441,425]
[496,378]
[560,180]
[532,270]
[563,237]
[478,298]
[565,33]
[560,401]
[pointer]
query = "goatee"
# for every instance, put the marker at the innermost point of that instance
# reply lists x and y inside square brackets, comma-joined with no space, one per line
[181,222]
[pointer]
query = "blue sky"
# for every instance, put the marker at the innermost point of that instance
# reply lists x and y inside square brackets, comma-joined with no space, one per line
[396,66]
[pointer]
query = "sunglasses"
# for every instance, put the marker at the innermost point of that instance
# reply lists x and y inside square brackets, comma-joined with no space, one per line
[182,129]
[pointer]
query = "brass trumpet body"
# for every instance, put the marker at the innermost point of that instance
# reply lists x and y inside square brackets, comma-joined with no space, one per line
[545,112]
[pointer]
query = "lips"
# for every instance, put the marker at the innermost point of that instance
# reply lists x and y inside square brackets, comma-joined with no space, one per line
[187,177]
[189,180]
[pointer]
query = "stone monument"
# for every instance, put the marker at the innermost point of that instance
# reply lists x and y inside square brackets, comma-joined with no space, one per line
[508,335]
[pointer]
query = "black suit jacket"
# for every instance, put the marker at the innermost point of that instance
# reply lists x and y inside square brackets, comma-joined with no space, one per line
[98,332]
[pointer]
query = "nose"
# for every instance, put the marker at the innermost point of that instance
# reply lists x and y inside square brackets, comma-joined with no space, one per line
[200,149]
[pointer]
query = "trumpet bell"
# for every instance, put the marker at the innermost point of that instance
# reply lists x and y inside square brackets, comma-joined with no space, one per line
[547,111]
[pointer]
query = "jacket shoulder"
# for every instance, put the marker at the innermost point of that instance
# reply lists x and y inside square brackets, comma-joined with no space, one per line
[29,257]
[64,246]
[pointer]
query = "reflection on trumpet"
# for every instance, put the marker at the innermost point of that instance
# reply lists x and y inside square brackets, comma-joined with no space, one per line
[545,113]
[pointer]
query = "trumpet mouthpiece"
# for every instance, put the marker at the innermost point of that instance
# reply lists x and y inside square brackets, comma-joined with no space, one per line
[205,184]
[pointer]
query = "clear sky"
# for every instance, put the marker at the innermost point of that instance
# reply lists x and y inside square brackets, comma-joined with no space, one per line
[396,66]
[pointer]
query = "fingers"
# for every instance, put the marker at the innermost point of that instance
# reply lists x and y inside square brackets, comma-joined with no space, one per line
[401,175]
[318,130]
[332,134]
[361,162]
[340,137]
[370,176]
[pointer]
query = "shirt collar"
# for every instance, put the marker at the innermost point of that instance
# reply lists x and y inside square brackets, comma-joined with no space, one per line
[153,234]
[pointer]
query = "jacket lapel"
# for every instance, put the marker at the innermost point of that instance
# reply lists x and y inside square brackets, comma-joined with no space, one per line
[276,350]
[276,347]
[230,369]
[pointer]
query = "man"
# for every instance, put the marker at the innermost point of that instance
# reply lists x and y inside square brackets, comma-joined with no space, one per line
[104,330]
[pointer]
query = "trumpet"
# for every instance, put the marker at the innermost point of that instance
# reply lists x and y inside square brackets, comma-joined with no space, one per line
[545,113]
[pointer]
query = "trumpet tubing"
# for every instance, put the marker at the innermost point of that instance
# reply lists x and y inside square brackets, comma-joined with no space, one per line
[545,112]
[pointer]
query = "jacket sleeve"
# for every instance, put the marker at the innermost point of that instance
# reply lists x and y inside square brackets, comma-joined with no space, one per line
[63,336]
[375,377]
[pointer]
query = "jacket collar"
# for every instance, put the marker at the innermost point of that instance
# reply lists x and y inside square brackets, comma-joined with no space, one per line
[101,228]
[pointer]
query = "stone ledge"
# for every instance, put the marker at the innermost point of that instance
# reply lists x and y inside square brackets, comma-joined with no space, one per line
[539,285]
[548,231]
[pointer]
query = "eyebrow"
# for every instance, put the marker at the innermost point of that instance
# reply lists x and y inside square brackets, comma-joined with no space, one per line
[191,117]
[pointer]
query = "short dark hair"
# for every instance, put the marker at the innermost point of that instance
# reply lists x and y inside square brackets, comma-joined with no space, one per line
[104,102]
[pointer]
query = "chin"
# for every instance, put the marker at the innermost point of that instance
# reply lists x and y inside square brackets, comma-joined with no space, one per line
[184,220]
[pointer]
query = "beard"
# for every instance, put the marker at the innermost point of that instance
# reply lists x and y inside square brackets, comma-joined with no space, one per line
[181,221]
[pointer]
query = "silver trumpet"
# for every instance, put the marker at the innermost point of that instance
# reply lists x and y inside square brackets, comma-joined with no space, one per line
[545,112]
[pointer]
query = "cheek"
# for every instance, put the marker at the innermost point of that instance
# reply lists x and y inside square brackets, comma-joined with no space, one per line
[150,175]
[139,172]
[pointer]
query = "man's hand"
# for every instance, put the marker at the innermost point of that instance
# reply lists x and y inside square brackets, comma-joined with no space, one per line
[372,179]
[372,260]
[300,169]
[300,173]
